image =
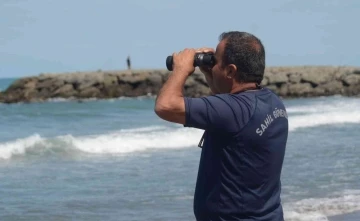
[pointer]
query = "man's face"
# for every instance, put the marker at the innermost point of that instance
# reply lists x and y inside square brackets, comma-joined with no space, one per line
[219,71]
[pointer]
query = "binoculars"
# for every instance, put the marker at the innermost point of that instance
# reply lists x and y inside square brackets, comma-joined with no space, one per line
[200,59]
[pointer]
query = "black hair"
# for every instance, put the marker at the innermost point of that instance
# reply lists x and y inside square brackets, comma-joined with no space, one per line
[247,53]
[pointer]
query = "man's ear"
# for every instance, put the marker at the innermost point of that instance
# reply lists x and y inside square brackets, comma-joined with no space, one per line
[231,71]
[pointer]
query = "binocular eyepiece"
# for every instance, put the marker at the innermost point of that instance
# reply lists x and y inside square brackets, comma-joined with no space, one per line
[200,59]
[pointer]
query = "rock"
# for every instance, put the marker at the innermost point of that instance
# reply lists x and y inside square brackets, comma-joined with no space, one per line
[133,78]
[13,97]
[50,83]
[197,91]
[316,77]
[74,79]
[90,80]
[83,85]
[352,90]
[90,92]
[30,95]
[110,80]
[351,79]
[319,91]
[273,88]
[300,89]
[94,77]
[20,83]
[198,76]
[46,76]
[332,87]
[65,91]
[278,78]
[294,77]
[41,92]
[113,91]
[126,90]
[190,82]
[31,85]
[155,80]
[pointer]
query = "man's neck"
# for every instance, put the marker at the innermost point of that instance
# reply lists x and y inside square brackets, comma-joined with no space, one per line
[244,87]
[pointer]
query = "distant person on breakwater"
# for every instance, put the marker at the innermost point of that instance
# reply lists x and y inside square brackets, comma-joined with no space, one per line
[128,63]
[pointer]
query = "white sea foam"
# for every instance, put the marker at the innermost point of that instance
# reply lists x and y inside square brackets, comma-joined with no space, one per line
[322,106]
[139,139]
[320,209]
[329,118]
[19,146]
[123,141]
[318,114]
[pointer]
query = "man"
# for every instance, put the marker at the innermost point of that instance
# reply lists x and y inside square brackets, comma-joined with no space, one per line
[246,131]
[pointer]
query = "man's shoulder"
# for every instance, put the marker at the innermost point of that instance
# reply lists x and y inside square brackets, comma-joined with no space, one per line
[234,101]
[265,93]
[230,99]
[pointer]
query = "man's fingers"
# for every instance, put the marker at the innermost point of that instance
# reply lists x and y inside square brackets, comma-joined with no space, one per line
[199,50]
[204,50]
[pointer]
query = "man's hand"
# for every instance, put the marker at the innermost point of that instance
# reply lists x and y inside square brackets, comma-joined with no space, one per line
[183,62]
[205,70]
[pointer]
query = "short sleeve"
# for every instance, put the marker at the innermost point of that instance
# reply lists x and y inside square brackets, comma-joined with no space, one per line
[224,112]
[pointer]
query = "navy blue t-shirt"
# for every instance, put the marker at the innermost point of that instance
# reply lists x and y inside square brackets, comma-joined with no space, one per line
[242,155]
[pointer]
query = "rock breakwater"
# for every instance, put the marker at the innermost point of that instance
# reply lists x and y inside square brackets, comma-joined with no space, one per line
[306,81]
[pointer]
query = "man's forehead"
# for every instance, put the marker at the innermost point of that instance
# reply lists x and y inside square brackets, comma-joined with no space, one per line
[220,47]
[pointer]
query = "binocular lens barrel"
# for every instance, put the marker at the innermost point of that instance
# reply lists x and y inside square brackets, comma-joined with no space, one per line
[200,59]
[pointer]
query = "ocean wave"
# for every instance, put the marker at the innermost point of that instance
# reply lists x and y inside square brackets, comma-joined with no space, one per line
[139,139]
[320,119]
[331,104]
[320,209]
[324,113]
[119,142]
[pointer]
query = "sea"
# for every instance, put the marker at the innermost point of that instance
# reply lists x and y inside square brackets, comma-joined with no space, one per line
[115,159]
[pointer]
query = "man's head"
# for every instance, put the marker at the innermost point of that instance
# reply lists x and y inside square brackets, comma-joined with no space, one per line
[240,58]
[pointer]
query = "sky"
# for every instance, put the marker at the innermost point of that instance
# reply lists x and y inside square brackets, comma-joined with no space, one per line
[52,36]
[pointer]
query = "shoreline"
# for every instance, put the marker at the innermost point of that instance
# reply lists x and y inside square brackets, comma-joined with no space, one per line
[287,82]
